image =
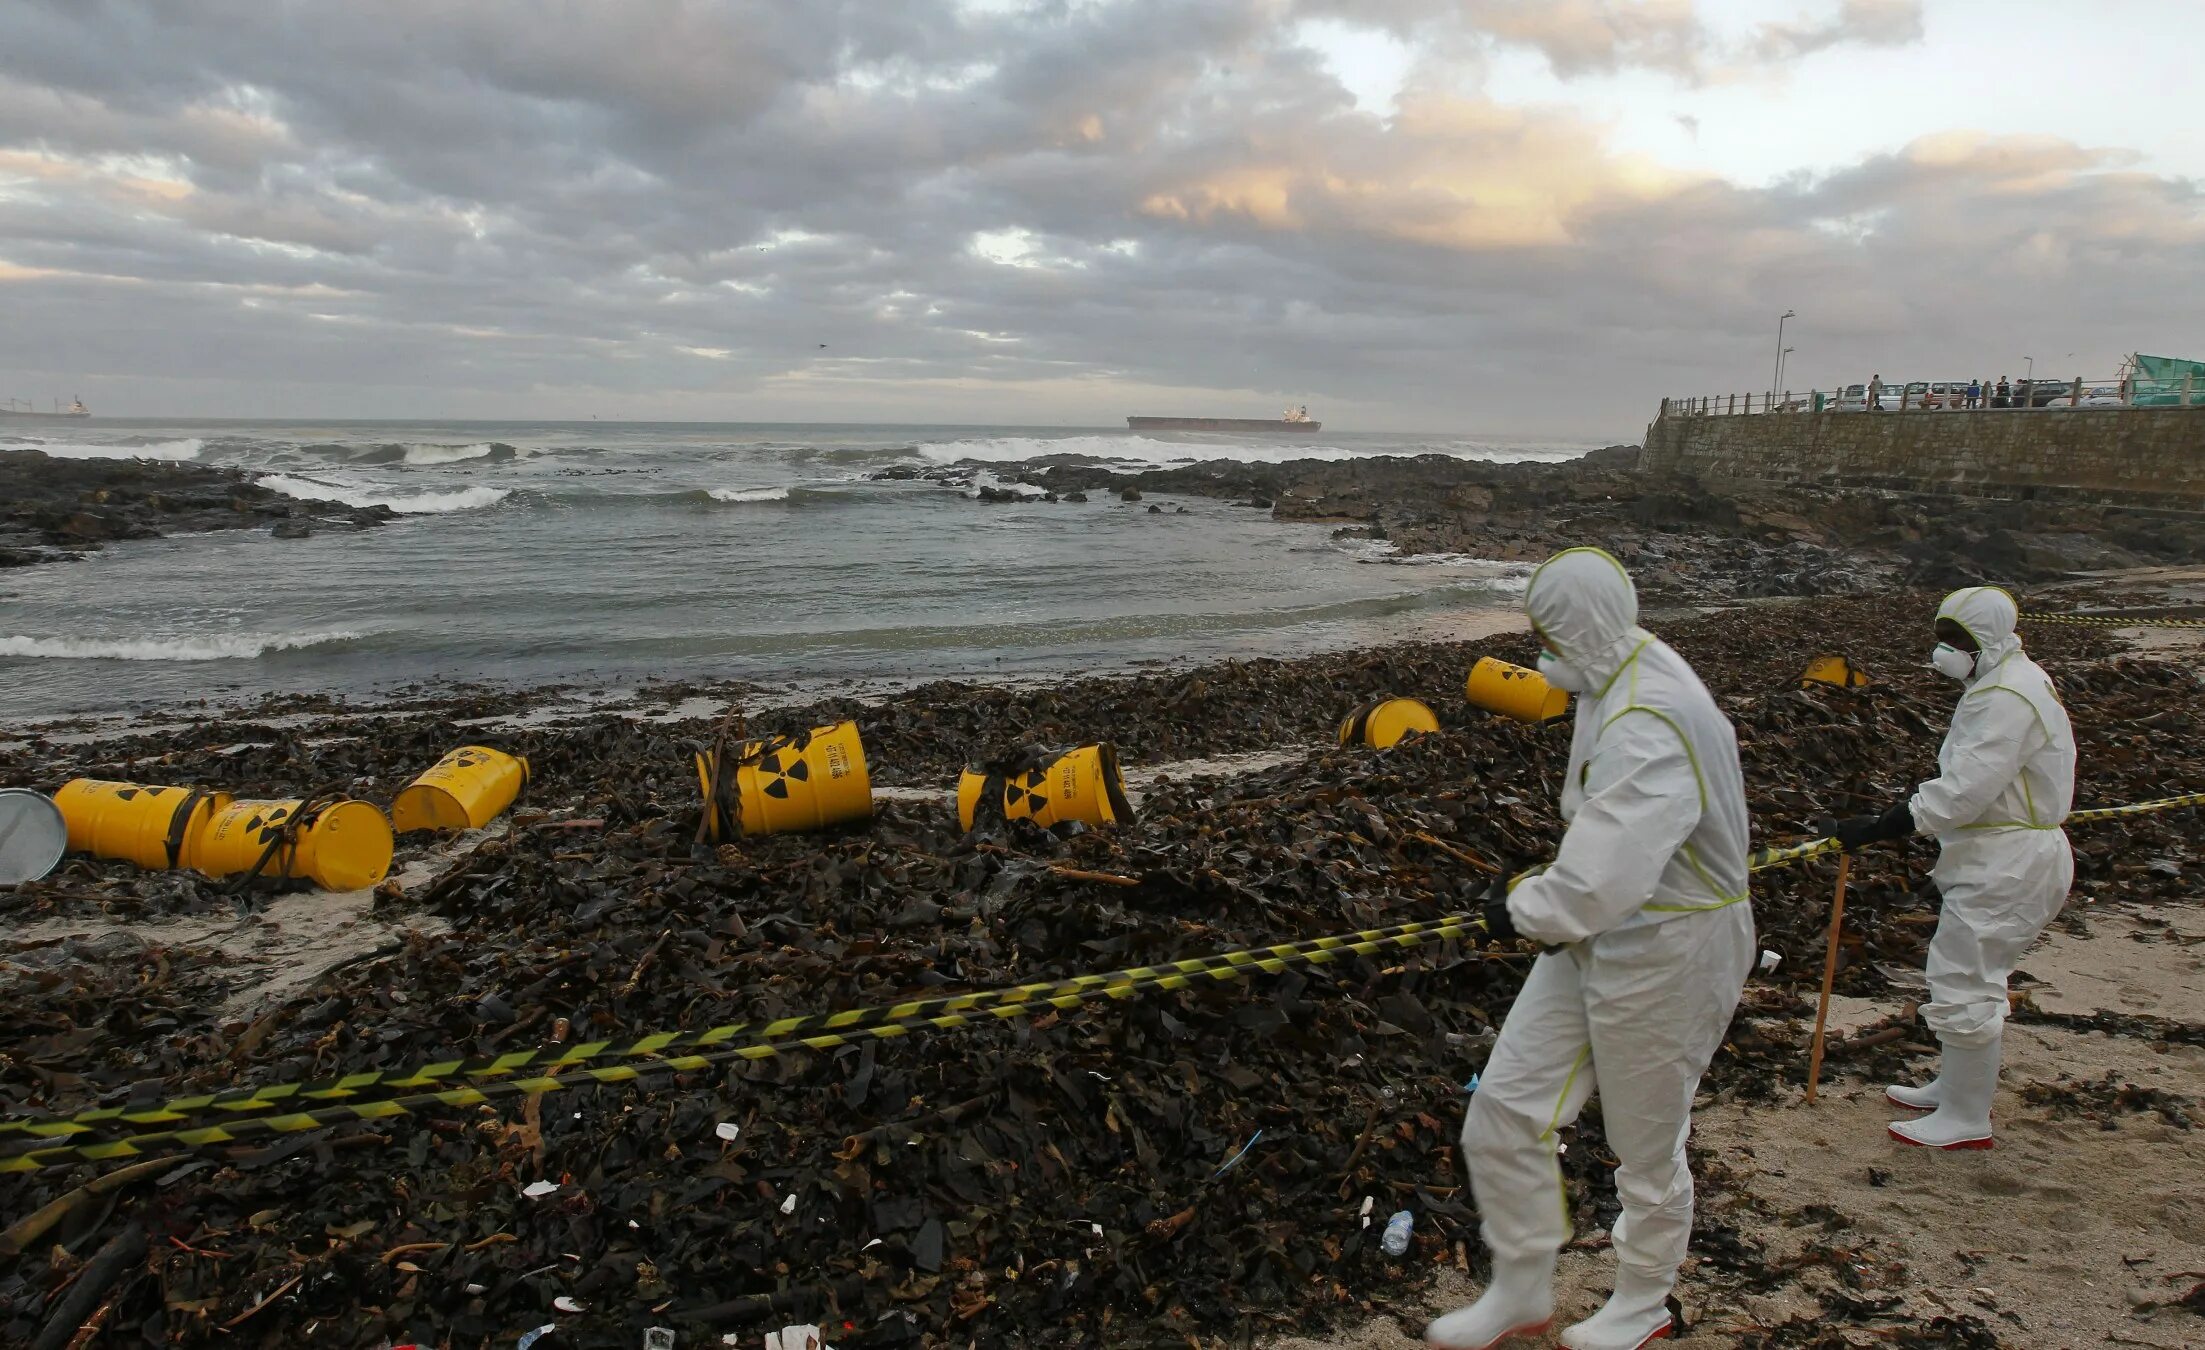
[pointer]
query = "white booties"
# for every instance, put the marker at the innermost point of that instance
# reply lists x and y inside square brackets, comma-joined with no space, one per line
[1519,1302]
[1963,1115]
[1924,1098]
[1636,1314]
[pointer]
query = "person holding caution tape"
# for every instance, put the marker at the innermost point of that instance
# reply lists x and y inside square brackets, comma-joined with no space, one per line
[1649,939]
[2005,783]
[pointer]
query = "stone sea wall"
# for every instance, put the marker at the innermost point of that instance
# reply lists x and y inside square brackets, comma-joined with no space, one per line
[2139,456]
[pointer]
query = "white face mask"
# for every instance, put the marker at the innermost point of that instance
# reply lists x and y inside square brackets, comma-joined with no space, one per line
[1561,674]
[1952,661]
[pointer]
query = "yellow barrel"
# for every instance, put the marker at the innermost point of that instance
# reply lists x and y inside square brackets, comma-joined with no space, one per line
[465,790]
[135,822]
[1382,723]
[786,784]
[1513,691]
[1829,668]
[1050,788]
[344,846]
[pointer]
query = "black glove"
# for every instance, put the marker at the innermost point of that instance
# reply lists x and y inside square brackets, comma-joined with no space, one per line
[1859,831]
[1498,925]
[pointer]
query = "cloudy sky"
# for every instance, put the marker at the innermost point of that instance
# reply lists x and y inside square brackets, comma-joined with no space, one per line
[1467,216]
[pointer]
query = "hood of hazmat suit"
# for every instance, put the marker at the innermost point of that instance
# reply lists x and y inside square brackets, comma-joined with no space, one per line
[2005,783]
[1654,798]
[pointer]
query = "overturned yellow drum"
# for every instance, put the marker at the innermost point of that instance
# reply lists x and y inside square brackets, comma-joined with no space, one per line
[1829,668]
[1513,691]
[465,790]
[134,822]
[339,846]
[785,784]
[1383,722]
[1048,787]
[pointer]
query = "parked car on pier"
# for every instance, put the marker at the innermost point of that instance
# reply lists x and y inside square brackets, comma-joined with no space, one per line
[1854,398]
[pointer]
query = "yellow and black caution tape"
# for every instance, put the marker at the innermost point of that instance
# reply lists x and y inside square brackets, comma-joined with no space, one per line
[44,1155]
[564,1067]
[2135,808]
[2113,620]
[665,1045]
[241,1103]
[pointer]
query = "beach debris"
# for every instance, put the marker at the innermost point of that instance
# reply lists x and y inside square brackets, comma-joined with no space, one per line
[33,835]
[465,790]
[1080,785]
[1382,723]
[804,781]
[1395,1241]
[1515,691]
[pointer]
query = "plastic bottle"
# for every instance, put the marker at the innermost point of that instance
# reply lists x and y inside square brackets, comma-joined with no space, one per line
[1396,1240]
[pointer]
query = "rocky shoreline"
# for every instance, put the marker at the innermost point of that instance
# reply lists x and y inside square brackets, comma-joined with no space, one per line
[54,509]
[1682,538]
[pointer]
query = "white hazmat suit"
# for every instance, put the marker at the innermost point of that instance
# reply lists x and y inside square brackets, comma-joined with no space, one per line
[2005,783]
[1646,900]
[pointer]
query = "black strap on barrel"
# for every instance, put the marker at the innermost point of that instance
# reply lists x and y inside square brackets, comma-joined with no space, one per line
[287,835]
[179,826]
[1359,722]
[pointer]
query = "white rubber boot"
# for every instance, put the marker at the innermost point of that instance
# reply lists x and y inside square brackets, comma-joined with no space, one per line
[1927,1097]
[1963,1118]
[1636,1314]
[1519,1302]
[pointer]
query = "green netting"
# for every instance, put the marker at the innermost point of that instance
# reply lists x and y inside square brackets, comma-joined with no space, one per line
[2167,381]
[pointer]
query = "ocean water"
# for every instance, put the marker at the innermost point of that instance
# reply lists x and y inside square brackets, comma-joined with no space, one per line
[606,554]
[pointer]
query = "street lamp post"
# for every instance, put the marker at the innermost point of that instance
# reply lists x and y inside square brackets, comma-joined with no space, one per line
[1776,376]
[1783,360]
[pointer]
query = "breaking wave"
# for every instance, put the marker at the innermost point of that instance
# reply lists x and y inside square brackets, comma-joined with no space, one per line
[188,448]
[1149,452]
[227,647]
[759,494]
[405,504]
[454,454]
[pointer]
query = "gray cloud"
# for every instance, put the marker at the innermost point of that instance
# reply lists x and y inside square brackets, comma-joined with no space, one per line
[1043,214]
[1871,23]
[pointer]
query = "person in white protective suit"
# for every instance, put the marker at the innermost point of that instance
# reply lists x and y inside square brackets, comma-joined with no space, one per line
[1649,943]
[2005,783]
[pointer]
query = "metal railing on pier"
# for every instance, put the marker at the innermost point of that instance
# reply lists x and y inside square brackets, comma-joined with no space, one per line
[1948,396]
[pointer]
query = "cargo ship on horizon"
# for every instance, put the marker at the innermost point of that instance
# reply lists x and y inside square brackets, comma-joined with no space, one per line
[22,409]
[1292,420]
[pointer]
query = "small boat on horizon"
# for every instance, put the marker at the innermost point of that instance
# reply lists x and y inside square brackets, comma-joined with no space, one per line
[1292,420]
[22,409]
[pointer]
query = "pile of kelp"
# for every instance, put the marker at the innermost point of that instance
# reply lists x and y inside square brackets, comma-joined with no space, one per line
[1215,1161]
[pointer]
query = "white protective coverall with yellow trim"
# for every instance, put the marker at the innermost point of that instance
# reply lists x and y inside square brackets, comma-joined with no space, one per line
[1648,892]
[2005,783]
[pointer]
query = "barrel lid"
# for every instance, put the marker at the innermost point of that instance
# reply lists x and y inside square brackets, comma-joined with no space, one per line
[33,836]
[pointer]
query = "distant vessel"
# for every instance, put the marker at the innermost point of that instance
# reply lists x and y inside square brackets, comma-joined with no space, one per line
[1293,419]
[22,409]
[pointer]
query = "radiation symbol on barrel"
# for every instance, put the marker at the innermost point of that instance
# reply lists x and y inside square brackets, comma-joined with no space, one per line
[1023,792]
[784,760]
[269,827]
[467,757]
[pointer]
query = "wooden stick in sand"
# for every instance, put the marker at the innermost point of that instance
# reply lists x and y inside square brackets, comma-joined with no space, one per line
[1829,974]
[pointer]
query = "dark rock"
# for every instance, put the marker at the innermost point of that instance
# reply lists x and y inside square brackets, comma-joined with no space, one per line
[996,494]
[1155,510]
[293,529]
[1131,494]
[47,502]
[1075,496]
